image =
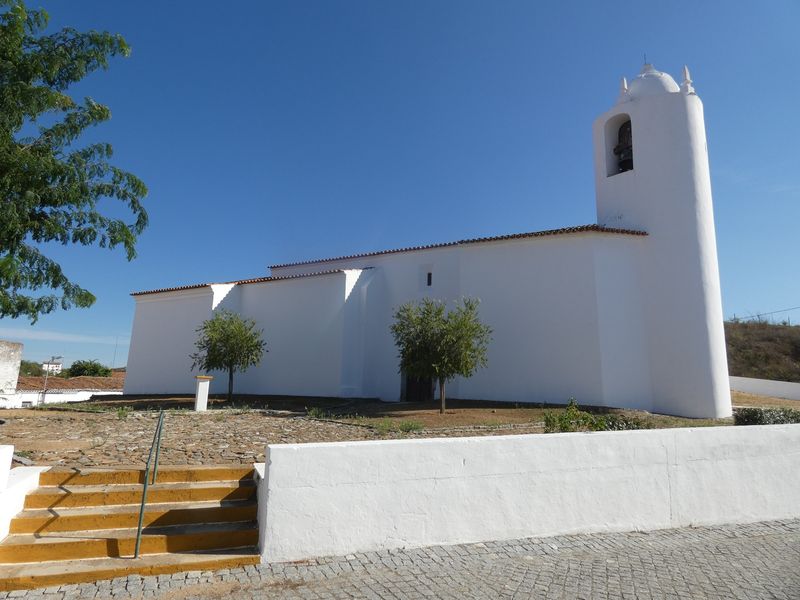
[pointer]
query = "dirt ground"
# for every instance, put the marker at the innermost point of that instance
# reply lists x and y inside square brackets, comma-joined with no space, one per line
[120,432]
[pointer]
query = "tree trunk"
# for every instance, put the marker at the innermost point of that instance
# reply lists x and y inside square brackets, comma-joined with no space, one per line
[230,386]
[441,395]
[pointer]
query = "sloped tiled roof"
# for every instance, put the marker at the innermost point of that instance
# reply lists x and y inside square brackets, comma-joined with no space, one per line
[498,238]
[513,236]
[237,282]
[36,384]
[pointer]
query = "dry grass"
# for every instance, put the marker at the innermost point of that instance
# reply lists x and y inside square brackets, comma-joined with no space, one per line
[743,399]
[763,350]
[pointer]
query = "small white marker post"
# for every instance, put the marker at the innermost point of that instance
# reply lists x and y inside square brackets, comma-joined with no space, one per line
[201,396]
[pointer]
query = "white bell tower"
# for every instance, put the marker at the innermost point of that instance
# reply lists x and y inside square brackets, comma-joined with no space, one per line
[652,174]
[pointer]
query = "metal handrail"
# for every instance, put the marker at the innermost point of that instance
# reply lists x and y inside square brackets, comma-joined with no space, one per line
[157,446]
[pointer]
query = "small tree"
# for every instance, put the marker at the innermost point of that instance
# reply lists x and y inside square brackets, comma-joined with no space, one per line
[440,345]
[92,368]
[228,342]
[30,368]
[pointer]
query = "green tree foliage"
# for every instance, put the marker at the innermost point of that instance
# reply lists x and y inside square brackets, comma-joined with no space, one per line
[440,345]
[29,368]
[90,368]
[228,342]
[50,184]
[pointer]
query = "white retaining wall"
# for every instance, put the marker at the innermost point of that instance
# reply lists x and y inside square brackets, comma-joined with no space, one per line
[17,399]
[766,387]
[340,498]
[14,486]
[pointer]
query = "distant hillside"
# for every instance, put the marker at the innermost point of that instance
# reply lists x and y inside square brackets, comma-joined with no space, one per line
[763,350]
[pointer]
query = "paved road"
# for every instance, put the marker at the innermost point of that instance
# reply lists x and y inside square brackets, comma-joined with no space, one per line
[761,560]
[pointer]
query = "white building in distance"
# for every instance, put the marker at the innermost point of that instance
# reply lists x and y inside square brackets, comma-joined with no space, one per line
[54,368]
[624,313]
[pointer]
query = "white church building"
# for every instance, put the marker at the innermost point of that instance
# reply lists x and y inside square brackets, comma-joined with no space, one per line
[625,313]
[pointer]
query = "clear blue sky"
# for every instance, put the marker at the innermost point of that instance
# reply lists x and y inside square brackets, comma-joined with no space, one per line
[270,132]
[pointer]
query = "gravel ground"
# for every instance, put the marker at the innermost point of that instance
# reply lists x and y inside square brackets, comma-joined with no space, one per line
[214,437]
[83,439]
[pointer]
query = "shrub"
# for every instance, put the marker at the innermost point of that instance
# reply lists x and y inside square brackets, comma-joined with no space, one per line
[620,423]
[550,422]
[385,425]
[574,419]
[315,412]
[765,416]
[408,426]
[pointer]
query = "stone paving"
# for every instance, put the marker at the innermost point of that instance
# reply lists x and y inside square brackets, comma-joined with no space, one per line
[87,439]
[759,560]
[81,439]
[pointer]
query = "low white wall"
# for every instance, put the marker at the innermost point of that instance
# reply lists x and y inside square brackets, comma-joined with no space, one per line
[340,498]
[6,453]
[766,387]
[52,397]
[12,499]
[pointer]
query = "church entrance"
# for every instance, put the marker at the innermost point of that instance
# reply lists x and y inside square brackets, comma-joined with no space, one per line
[416,389]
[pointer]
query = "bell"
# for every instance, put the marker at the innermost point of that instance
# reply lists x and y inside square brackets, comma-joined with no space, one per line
[624,148]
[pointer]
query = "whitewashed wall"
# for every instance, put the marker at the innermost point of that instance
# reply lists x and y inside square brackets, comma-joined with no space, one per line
[302,321]
[340,498]
[565,312]
[14,486]
[766,387]
[6,454]
[10,357]
[162,339]
[21,399]
[543,298]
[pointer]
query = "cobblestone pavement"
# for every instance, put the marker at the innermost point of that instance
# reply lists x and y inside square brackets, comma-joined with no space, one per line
[215,437]
[760,560]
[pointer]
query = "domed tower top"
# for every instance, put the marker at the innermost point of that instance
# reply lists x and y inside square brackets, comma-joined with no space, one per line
[651,82]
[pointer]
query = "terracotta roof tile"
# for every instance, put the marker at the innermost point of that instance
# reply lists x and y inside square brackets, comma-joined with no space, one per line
[36,384]
[513,236]
[237,282]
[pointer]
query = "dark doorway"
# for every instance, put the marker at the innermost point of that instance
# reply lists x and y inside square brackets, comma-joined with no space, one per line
[416,389]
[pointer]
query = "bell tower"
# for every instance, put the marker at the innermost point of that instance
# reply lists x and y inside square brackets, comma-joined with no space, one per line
[652,174]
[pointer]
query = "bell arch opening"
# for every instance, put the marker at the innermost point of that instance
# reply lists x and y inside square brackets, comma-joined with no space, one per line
[619,144]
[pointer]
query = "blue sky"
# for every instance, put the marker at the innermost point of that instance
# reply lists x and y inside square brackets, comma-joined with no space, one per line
[270,132]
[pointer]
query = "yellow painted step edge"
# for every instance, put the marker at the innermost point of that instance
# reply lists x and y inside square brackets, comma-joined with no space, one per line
[132,567]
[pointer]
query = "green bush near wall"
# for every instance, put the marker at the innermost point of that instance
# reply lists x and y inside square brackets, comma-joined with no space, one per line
[765,416]
[574,419]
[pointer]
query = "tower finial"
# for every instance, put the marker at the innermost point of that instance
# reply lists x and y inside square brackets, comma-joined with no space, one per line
[686,86]
[623,91]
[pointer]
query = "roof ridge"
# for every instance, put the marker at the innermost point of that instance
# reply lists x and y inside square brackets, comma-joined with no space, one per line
[546,232]
[512,236]
[264,279]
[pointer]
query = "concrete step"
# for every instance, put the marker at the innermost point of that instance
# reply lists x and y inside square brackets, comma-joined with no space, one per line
[49,574]
[41,520]
[116,543]
[130,475]
[71,495]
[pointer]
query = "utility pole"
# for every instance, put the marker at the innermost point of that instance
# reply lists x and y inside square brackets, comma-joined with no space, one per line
[47,373]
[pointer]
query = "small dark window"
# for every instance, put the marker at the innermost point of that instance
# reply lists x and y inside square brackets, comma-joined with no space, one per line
[430,279]
[624,148]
